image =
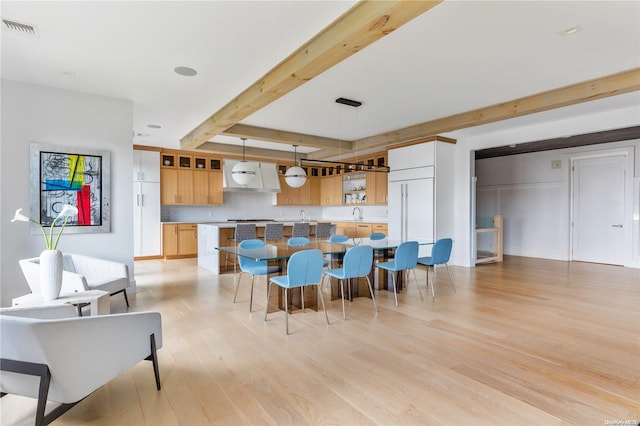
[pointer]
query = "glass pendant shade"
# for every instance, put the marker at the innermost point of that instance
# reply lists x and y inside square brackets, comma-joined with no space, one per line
[295,177]
[243,173]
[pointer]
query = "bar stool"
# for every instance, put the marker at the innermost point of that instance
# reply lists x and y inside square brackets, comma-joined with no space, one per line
[323,230]
[244,231]
[273,231]
[300,229]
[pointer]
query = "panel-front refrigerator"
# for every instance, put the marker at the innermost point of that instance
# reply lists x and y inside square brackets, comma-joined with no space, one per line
[410,206]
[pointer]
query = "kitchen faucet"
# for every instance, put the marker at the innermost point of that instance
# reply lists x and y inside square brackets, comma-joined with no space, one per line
[302,213]
[359,212]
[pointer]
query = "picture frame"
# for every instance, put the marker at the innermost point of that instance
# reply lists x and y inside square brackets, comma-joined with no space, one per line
[70,175]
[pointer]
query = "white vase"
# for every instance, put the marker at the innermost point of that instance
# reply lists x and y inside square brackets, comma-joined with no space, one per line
[50,274]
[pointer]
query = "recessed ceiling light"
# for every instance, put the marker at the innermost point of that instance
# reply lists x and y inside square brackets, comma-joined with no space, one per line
[571,31]
[154,126]
[185,71]
[143,135]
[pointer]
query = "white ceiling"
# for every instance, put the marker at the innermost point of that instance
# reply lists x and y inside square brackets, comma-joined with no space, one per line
[456,57]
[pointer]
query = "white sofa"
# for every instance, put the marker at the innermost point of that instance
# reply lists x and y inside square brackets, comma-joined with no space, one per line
[39,355]
[82,273]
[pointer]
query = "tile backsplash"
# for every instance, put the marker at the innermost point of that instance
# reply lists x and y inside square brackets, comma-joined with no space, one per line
[259,205]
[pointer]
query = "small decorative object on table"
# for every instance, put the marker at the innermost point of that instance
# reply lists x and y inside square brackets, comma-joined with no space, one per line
[51,258]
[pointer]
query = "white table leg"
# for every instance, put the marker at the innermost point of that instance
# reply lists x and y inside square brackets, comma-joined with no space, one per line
[100,305]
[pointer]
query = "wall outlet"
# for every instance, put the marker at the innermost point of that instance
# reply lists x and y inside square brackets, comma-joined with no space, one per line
[556,164]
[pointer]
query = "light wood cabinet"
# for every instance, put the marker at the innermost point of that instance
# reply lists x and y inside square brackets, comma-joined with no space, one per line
[307,195]
[359,229]
[187,179]
[207,188]
[314,191]
[363,230]
[377,188]
[169,240]
[179,240]
[168,186]
[187,239]
[346,228]
[289,196]
[185,187]
[380,194]
[176,186]
[331,191]
[383,228]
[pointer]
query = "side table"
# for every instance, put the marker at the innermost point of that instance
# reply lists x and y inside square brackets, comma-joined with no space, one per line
[98,299]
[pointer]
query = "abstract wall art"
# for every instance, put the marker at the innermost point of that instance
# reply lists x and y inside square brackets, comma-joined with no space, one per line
[75,176]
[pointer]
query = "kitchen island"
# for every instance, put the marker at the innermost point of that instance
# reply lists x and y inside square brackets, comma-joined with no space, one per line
[218,234]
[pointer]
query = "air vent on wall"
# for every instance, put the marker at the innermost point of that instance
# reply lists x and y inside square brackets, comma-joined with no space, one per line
[20,28]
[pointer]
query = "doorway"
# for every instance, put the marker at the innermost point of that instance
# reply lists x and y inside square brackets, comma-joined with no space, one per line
[598,195]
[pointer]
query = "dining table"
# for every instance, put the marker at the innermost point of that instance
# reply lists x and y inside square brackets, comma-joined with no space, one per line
[383,250]
[279,253]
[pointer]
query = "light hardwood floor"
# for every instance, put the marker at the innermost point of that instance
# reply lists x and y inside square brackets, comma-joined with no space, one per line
[524,342]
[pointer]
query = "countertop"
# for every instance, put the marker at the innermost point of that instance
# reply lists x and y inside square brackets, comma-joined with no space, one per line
[226,224]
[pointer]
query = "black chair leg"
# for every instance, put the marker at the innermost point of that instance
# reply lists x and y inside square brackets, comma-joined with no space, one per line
[154,359]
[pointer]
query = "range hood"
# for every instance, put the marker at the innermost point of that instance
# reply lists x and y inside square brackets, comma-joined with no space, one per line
[266,179]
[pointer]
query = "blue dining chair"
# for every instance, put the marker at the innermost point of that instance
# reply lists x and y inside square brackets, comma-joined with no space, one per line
[406,258]
[356,264]
[337,239]
[440,255]
[301,242]
[303,269]
[298,241]
[253,267]
[377,236]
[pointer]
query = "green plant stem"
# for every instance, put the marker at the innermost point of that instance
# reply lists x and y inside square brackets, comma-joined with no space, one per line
[50,240]
[44,234]
[66,219]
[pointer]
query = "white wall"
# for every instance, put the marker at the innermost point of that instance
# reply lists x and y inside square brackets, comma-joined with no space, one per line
[59,117]
[578,119]
[534,199]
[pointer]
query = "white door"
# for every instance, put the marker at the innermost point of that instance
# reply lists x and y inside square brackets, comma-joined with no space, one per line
[598,209]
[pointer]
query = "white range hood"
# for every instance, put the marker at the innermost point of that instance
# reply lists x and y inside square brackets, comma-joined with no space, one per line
[266,179]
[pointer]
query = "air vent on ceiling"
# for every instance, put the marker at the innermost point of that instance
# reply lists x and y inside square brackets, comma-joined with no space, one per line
[349,102]
[20,28]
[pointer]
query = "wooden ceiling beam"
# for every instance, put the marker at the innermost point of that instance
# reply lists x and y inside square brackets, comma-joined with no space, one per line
[252,153]
[599,88]
[285,137]
[363,24]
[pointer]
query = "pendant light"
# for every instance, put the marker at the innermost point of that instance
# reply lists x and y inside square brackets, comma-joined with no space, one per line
[295,176]
[243,172]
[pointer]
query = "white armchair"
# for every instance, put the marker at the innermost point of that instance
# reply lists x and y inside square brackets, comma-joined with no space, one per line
[39,359]
[82,273]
